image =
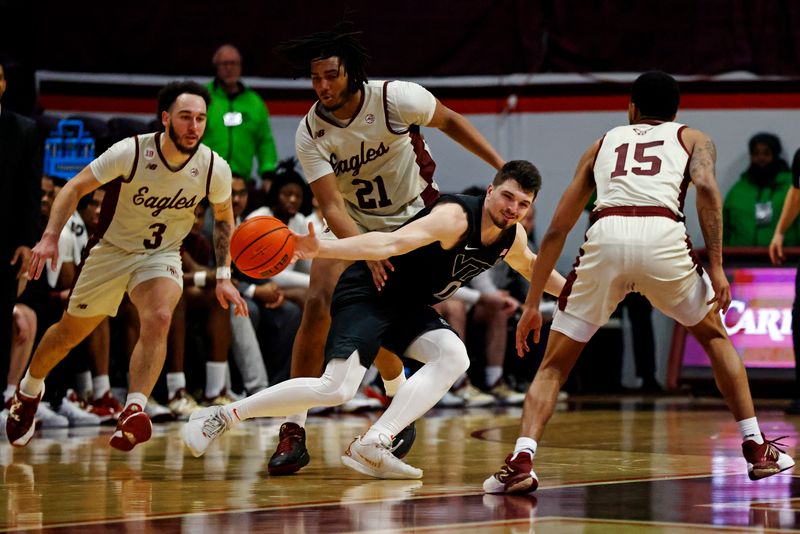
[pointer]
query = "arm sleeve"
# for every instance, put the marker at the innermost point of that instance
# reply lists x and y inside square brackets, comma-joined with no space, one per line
[314,165]
[408,103]
[220,189]
[115,162]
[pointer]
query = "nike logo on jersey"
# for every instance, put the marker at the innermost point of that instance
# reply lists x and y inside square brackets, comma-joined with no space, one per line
[471,248]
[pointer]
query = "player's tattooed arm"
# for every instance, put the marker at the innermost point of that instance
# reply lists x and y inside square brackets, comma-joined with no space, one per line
[223,228]
[709,201]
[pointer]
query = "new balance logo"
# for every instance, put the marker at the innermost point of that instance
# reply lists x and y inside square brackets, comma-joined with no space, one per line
[152,166]
[82,306]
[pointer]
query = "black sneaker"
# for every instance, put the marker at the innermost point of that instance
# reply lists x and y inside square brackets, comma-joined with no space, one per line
[291,454]
[404,440]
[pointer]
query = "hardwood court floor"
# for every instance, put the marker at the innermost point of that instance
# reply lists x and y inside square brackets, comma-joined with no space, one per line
[605,465]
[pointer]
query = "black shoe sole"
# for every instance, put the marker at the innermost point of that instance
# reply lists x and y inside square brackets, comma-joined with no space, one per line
[286,468]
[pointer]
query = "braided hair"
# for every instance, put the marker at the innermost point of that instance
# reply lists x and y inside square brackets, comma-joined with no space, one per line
[345,45]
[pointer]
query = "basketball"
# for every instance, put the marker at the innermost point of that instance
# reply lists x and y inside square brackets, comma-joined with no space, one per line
[262,247]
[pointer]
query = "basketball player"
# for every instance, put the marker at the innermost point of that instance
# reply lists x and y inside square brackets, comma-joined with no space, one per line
[156,181]
[369,168]
[438,250]
[637,242]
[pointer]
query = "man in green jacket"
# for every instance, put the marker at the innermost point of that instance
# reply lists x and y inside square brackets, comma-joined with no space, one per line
[238,121]
[753,205]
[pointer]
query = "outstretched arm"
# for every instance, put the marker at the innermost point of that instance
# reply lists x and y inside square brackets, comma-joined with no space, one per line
[567,213]
[447,223]
[523,260]
[709,210]
[223,227]
[458,128]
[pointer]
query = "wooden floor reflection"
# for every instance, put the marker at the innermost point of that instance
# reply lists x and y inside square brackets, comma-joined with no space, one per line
[605,465]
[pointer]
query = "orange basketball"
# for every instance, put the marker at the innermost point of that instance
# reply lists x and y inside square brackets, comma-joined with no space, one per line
[262,247]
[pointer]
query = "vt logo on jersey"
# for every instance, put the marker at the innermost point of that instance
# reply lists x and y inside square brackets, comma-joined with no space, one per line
[177,202]
[352,164]
[466,268]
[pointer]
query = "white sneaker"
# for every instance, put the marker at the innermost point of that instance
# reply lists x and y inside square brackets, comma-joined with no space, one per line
[473,397]
[376,460]
[505,395]
[450,400]
[76,415]
[361,402]
[182,405]
[158,413]
[47,418]
[203,427]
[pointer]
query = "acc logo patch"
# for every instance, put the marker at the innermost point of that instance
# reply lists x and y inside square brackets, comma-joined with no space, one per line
[370,118]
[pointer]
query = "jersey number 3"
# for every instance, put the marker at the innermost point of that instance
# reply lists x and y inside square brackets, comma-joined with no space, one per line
[651,165]
[365,189]
[158,235]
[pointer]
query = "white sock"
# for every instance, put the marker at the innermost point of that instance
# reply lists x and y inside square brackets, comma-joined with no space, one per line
[391,386]
[30,386]
[9,392]
[136,398]
[83,383]
[101,385]
[299,419]
[175,382]
[215,378]
[493,374]
[750,431]
[525,445]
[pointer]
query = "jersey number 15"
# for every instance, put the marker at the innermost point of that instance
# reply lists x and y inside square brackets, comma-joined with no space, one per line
[651,165]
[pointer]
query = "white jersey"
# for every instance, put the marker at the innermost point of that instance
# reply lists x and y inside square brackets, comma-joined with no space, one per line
[149,206]
[642,165]
[380,159]
[71,242]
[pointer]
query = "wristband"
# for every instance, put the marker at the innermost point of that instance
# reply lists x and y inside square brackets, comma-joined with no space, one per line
[224,273]
[199,278]
[250,291]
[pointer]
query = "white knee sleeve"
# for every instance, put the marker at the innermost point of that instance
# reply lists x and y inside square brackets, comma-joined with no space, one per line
[341,380]
[442,347]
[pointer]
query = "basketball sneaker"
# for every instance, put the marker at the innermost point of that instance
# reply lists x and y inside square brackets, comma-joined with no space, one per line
[133,427]
[204,426]
[516,476]
[473,397]
[403,441]
[182,405]
[377,460]
[20,424]
[291,454]
[765,459]
[107,403]
[224,398]
[505,395]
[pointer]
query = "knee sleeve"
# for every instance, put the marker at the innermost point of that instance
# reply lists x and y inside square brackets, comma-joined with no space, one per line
[443,348]
[341,379]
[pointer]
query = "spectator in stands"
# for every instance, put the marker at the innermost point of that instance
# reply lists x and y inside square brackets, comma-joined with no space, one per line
[276,320]
[289,200]
[750,212]
[238,126]
[788,218]
[20,175]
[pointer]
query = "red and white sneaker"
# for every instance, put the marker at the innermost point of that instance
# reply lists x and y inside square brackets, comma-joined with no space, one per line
[516,476]
[765,459]
[21,422]
[107,405]
[133,427]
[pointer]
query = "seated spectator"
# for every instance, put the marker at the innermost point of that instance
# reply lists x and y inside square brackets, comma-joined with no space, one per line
[289,200]
[753,205]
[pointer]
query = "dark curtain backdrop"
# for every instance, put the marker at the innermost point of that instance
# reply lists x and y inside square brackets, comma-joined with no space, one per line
[413,38]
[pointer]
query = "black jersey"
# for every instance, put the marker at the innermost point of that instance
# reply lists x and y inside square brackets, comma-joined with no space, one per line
[431,274]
